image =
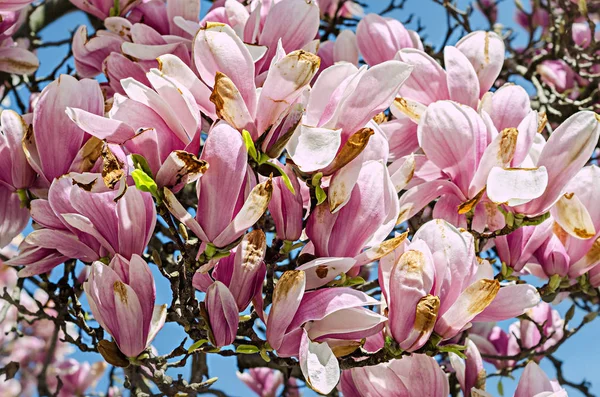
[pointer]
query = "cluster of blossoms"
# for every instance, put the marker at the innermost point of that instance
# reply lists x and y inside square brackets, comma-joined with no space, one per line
[266,172]
[26,342]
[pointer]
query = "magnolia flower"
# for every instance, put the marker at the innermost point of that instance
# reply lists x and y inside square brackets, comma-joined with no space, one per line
[437,285]
[533,383]
[557,74]
[222,313]
[77,377]
[577,220]
[15,175]
[403,377]
[516,249]
[102,9]
[469,371]
[161,124]
[342,101]
[242,272]
[379,38]
[346,9]
[529,334]
[318,325]
[265,382]
[471,69]
[343,49]
[15,58]
[81,220]
[286,207]
[125,49]
[227,66]
[286,25]
[480,162]
[229,200]
[14,5]
[54,133]
[121,297]
[522,334]
[492,340]
[365,220]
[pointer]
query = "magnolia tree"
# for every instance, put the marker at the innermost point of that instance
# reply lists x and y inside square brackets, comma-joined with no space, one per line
[335,203]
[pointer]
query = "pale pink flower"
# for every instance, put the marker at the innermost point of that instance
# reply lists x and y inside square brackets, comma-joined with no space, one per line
[121,297]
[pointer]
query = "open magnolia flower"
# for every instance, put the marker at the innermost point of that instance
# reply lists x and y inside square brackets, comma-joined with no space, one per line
[81,220]
[479,163]
[436,285]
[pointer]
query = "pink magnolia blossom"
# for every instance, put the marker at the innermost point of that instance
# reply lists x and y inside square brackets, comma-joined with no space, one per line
[343,49]
[437,285]
[15,57]
[14,5]
[573,248]
[413,375]
[227,66]
[474,157]
[242,272]
[346,9]
[528,333]
[533,383]
[469,371]
[313,325]
[342,101]
[112,51]
[379,38]
[167,17]
[54,133]
[367,218]
[103,9]
[265,382]
[267,27]
[81,220]
[15,175]
[286,207]
[222,314]
[557,74]
[161,124]
[294,307]
[492,340]
[77,377]
[121,297]
[229,200]
[517,248]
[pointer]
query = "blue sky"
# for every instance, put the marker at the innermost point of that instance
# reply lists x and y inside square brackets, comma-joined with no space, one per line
[580,353]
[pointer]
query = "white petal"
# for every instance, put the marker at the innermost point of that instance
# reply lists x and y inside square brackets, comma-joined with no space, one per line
[516,186]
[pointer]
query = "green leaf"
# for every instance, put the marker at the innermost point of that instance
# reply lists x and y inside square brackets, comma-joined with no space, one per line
[247,349]
[536,220]
[141,163]
[286,178]
[354,281]
[456,349]
[250,145]
[321,195]
[500,388]
[245,317]
[392,347]
[316,179]
[144,182]
[570,313]
[265,355]
[115,10]
[196,345]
